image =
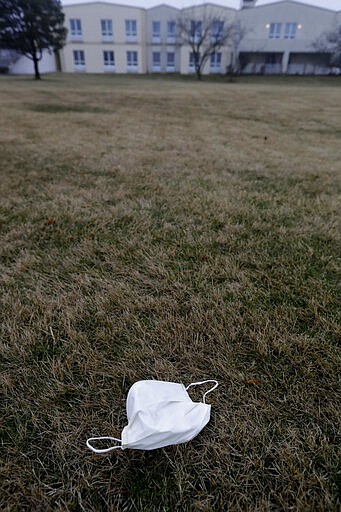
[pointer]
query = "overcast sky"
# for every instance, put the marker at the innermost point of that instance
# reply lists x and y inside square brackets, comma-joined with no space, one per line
[329,4]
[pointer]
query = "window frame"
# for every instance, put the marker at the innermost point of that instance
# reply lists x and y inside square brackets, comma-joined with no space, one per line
[275,30]
[156,34]
[191,66]
[76,31]
[290,30]
[170,67]
[215,62]
[156,67]
[131,30]
[79,60]
[171,35]
[107,32]
[108,63]
[195,30]
[217,34]
[132,63]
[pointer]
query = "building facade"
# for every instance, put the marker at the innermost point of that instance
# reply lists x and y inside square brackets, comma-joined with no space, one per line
[204,16]
[278,38]
[105,38]
[163,53]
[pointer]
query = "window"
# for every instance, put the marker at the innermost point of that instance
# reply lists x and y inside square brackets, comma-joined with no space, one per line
[191,63]
[273,63]
[132,61]
[217,29]
[275,30]
[290,30]
[156,30]
[79,59]
[106,28]
[108,60]
[75,28]
[272,58]
[215,62]
[156,61]
[195,30]
[131,30]
[171,28]
[170,61]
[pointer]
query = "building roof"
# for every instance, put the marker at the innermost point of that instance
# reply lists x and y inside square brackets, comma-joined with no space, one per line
[163,5]
[113,4]
[297,2]
[256,6]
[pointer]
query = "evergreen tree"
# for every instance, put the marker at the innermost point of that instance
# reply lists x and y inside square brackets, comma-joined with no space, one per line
[32,26]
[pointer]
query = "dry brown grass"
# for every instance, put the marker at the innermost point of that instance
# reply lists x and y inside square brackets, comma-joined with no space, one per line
[165,229]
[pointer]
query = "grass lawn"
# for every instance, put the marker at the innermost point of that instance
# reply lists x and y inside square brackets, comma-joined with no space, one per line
[173,230]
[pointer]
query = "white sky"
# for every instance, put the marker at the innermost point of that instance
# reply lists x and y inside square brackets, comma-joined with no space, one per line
[329,4]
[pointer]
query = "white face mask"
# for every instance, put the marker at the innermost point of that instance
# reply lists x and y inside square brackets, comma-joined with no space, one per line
[159,414]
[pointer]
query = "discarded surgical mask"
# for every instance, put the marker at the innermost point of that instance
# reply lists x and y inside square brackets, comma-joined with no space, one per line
[159,414]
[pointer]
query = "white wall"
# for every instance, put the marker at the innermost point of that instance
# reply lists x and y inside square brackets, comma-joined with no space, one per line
[24,66]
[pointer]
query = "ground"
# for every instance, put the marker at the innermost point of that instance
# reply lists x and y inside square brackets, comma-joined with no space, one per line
[174,230]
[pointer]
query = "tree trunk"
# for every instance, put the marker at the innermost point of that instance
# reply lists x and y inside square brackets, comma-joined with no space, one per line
[36,69]
[198,72]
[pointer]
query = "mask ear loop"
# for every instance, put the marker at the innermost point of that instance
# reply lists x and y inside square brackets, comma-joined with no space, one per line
[103,450]
[204,382]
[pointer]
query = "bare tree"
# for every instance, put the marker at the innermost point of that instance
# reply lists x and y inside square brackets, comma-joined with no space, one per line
[206,31]
[330,43]
[238,32]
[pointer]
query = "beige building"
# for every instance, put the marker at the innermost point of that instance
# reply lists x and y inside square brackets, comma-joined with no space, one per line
[105,38]
[113,38]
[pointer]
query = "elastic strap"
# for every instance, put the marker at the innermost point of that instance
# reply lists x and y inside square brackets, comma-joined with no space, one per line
[103,450]
[204,382]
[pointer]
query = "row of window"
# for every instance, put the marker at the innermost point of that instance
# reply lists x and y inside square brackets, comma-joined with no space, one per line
[156,29]
[215,61]
[106,26]
[217,29]
[132,59]
[156,59]
[107,31]
[275,30]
